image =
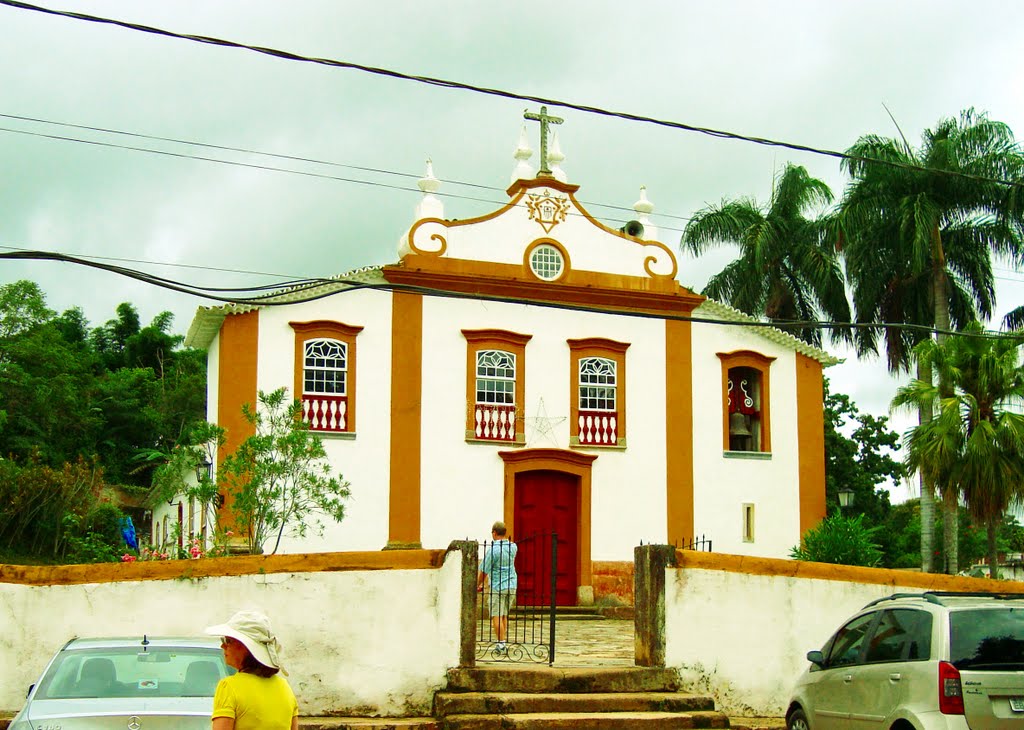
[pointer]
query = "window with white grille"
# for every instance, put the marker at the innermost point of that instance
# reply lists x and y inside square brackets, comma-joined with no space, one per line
[325,367]
[597,384]
[546,262]
[495,377]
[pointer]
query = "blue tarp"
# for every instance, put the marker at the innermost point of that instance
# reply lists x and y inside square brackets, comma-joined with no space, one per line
[128,533]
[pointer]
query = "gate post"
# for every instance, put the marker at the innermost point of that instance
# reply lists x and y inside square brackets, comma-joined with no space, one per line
[649,564]
[467,604]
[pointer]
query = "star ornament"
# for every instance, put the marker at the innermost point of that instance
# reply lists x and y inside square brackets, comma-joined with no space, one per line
[541,428]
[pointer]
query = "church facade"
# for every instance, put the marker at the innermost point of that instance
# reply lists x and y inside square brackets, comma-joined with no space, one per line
[536,366]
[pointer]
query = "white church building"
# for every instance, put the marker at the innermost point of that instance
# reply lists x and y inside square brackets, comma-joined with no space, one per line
[536,366]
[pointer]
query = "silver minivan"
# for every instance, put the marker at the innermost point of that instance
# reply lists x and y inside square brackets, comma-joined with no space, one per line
[924,661]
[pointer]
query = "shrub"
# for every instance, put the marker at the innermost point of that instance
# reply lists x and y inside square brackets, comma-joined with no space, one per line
[842,540]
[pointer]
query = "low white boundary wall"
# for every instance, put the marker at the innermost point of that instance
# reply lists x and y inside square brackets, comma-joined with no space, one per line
[363,633]
[739,628]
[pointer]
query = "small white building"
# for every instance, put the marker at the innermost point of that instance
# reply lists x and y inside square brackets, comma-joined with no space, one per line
[536,366]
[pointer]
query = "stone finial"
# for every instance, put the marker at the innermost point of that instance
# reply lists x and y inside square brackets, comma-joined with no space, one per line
[556,158]
[523,153]
[644,208]
[430,206]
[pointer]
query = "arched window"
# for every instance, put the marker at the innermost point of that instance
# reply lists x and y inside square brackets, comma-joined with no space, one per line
[325,374]
[746,402]
[598,412]
[494,385]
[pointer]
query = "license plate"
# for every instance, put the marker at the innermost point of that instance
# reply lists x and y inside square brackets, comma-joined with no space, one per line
[1017,704]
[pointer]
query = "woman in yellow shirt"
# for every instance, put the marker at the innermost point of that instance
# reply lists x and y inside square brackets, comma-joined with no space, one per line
[257,697]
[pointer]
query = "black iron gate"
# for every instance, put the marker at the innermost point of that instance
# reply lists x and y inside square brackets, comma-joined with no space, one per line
[519,626]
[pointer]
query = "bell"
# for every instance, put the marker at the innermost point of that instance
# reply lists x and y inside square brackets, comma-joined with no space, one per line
[738,425]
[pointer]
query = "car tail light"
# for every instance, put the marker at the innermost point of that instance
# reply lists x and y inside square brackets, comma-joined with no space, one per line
[951,694]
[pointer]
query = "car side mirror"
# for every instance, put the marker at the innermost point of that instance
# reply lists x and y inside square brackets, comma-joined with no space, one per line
[816,657]
[30,688]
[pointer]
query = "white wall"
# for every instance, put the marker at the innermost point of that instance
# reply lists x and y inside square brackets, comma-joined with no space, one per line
[355,642]
[722,485]
[742,633]
[364,460]
[463,483]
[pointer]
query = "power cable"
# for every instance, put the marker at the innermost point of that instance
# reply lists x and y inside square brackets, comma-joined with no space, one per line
[276,155]
[315,283]
[458,85]
[271,168]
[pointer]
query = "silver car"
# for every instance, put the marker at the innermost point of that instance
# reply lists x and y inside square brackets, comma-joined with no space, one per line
[138,683]
[929,661]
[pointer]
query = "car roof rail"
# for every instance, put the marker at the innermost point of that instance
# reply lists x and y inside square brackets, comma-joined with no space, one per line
[937,596]
[894,596]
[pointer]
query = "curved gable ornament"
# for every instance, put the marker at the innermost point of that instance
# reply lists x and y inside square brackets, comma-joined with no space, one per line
[664,257]
[426,235]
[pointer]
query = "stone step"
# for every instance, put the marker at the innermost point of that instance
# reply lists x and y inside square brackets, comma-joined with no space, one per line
[561,612]
[567,679]
[369,723]
[588,721]
[481,703]
[339,723]
[757,723]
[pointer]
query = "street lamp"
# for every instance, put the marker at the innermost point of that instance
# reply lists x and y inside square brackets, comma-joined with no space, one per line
[845,497]
[204,469]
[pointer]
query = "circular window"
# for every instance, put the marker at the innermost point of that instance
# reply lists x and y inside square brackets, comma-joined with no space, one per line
[546,262]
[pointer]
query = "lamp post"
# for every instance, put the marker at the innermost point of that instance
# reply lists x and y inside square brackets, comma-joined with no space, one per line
[845,498]
[204,469]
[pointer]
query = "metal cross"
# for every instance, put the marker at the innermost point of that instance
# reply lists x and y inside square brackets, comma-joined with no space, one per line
[544,120]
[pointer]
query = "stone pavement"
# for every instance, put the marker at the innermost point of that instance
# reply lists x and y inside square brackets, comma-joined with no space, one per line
[600,643]
[589,643]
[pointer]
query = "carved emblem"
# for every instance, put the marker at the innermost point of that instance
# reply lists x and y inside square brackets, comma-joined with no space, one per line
[547,209]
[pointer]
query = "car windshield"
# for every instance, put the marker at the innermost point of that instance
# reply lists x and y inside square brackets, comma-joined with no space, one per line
[991,639]
[132,672]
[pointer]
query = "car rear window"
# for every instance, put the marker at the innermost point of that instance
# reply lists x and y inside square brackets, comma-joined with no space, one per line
[987,639]
[131,672]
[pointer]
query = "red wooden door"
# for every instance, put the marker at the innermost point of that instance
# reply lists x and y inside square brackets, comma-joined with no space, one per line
[546,502]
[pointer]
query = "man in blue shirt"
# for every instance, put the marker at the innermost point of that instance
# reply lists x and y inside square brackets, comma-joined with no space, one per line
[499,565]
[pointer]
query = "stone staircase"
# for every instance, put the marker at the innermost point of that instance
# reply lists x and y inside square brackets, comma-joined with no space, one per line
[543,698]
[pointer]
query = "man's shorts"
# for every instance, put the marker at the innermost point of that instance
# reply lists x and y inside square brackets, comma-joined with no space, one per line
[501,602]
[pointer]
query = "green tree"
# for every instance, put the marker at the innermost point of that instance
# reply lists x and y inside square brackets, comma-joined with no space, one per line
[918,243]
[22,308]
[195,454]
[842,540]
[861,461]
[279,478]
[47,387]
[787,271]
[975,444]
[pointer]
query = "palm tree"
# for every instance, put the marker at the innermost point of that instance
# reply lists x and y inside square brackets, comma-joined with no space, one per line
[786,272]
[918,237]
[1014,319]
[975,445]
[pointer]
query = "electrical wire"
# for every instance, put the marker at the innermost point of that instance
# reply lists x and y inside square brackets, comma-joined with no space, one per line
[501,93]
[296,158]
[327,285]
[305,173]
[293,158]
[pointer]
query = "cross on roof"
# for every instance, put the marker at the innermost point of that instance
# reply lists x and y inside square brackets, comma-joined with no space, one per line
[544,120]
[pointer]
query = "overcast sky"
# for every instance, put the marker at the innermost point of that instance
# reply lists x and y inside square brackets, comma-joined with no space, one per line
[814,73]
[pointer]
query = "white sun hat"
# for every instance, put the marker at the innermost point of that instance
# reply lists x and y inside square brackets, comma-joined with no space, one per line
[252,628]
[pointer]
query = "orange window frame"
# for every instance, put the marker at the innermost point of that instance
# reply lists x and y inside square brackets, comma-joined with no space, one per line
[494,339]
[762,364]
[330,330]
[609,350]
